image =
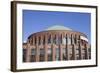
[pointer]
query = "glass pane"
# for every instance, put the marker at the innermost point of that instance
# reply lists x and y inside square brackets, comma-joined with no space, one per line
[89,50]
[57,53]
[59,40]
[75,39]
[42,54]
[39,41]
[44,40]
[84,53]
[35,40]
[49,51]
[77,56]
[33,58]
[49,39]
[33,52]
[64,54]
[64,41]
[54,39]
[77,51]
[69,40]
[70,50]
[24,55]
[33,55]
[49,54]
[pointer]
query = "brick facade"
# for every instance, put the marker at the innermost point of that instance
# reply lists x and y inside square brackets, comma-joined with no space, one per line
[56,45]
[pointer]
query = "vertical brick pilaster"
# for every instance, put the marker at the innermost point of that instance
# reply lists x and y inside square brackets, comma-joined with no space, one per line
[74,51]
[80,49]
[54,52]
[28,53]
[67,48]
[37,50]
[61,52]
[46,48]
[87,52]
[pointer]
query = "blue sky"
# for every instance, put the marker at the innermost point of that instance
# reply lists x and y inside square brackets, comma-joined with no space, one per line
[35,21]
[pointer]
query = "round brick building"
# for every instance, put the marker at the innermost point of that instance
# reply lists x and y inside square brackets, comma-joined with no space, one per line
[56,43]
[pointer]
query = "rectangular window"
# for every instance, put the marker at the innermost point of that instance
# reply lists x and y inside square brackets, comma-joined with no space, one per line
[59,41]
[57,54]
[64,41]
[64,54]
[33,51]
[70,50]
[49,54]
[84,53]
[33,55]
[89,51]
[78,40]
[69,40]
[71,57]
[75,39]
[77,51]
[77,56]
[24,55]
[42,54]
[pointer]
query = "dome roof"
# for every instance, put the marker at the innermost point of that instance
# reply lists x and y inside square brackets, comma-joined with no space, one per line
[58,27]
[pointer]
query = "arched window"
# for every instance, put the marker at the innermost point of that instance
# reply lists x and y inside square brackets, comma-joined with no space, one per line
[49,39]
[35,40]
[54,39]
[71,39]
[44,40]
[39,42]
[31,41]
[59,41]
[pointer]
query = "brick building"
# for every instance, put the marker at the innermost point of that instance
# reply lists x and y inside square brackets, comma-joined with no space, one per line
[56,43]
